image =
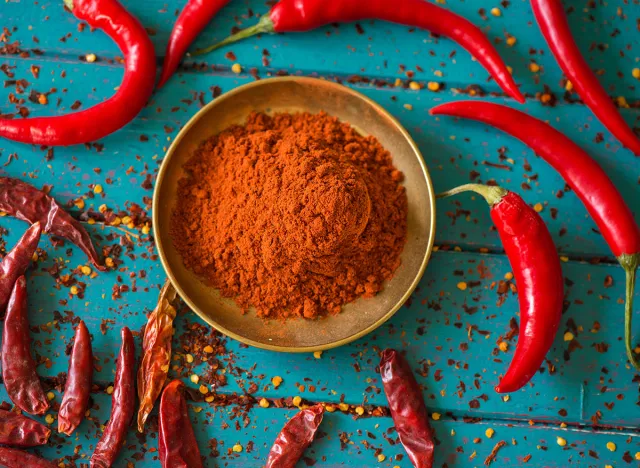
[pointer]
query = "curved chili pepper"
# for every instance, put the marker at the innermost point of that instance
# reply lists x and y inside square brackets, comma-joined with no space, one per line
[16,262]
[194,17]
[12,458]
[295,437]
[123,404]
[18,367]
[305,15]
[536,267]
[585,177]
[25,202]
[20,431]
[408,411]
[177,442]
[78,387]
[156,353]
[105,118]
[555,28]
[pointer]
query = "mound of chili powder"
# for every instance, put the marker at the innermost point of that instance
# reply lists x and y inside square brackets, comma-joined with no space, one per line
[294,215]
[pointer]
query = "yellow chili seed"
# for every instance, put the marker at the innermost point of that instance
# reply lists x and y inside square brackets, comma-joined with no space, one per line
[276,381]
[296,401]
[381,458]
[568,86]
[108,261]
[435,416]
[194,378]
[462,285]
[503,346]
[208,349]
[561,441]
[611,446]
[264,403]
[511,41]
[90,58]
[237,448]
[203,389]
[317,354]
[508,276]
[568,336]
[73,290]
[343,407]
[331,409]
[49,419]
[79,203]
[496,11]
[97,188]
[415,86]
[359,410]
[433,86]
[637,456]
[489,433]
[534,67]
[408,106]
[50,396]
[126,220]
[236,68]
[109,389]
[636,74]
[209,399]
[189,358]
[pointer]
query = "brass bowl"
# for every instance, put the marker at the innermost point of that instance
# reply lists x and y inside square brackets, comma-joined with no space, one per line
[295,94]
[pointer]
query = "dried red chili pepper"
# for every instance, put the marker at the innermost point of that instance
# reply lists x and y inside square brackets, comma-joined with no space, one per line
[194,17]
[123,404]
[18,367]
[156,349]
[20,431]
[25,202]
[536,267]
[408,411]
[177,442]
[555,28]
[79,379]
[305,15]
[295,437]
[585,177]
[105,118]
[16,262]
[12,458]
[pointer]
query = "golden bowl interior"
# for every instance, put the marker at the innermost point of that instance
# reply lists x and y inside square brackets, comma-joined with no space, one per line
[295,94]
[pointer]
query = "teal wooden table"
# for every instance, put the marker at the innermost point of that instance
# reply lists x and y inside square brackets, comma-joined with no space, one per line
[586,394]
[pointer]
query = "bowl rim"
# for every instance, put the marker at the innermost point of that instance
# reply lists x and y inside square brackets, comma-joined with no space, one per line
[298,349]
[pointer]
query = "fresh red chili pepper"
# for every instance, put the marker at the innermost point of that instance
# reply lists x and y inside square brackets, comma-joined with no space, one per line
[536,267]
[585,177]
[194,17]
[305,15]
[156,353]
[105,118]
[123,404]
[16,262]
[12,458]
[25,202]
[177,442]
[78,387]
[408,411]
[295,437]
[20,431]
[555,28]
[18,367]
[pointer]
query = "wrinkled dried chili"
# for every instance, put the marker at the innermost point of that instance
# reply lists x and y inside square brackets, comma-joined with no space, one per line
[536,267]
[25,202]
[12,458]
[16,262]
[18,367]
[156,349]
[177,443]
[407,407]
[123,403]
[78,387]
[20,431]
[295,437]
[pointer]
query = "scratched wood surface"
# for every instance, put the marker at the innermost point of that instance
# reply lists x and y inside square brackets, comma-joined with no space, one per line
[586,393]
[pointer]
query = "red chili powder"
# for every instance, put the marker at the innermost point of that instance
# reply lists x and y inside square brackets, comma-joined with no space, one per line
[295,215]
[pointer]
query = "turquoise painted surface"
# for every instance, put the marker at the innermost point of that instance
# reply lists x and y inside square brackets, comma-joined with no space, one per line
[451,336]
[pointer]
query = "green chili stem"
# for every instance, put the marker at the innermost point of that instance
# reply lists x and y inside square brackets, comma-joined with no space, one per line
[265,25]
[493,194]
[630,265]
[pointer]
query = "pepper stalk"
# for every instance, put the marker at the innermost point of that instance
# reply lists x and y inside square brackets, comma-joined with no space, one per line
[264,26]
[630,263]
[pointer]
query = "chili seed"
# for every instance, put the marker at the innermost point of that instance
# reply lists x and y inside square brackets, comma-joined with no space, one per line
[496,11]
[189,358]
[568,336]
[503,346]
[73,290]
[359,410]
[508,276]
[194,378]
[538,207]
[296,401]
[317,354]
[97,188]
[90,58]
[264,403]
[237,448]
[489,433]
[511,41]
[42,99]
[435,416]
[126,220]
[397,83]
[85,270]
[331,409]
[381,458]
[636,74]
[50,396]
[505,398]
[208,349]
[637,456]
[611,446]
[534,67]
[209,399]
[433,86]
[343,407]
[109,389]
[108,261]
[568,86]
[462,285]
[49,419]
[276,381]
[415,86]
[203,389]
[236,68]
[146,228]
[561,442]
[408,106]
